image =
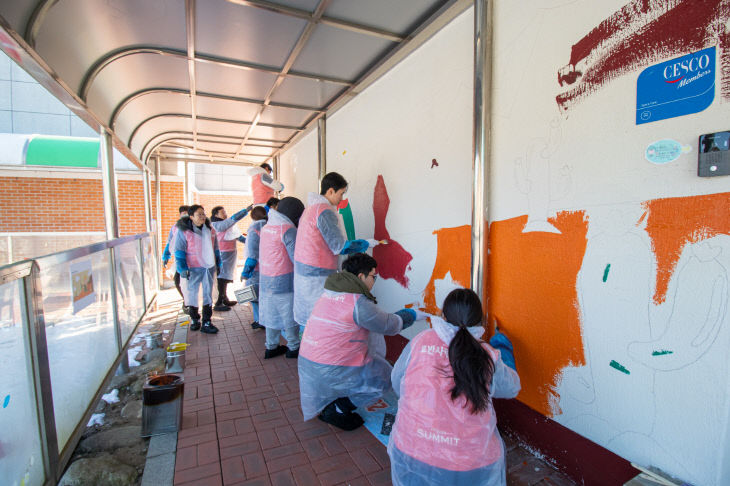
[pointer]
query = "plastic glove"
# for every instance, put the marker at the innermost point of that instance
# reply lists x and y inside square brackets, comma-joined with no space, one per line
[185,274]
[408,316]
[354,246]
[248,268]
[420,315]
[504,345]
[241,214]
[242,239]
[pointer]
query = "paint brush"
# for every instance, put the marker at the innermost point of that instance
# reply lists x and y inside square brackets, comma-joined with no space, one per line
[373,242]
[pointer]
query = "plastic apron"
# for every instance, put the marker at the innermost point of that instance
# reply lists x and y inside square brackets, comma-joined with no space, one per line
[200,257]
[276,281]
[253,243]
[227,247]
[315,256]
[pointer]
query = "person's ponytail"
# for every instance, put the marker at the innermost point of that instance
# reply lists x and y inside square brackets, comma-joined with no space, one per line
[471,364]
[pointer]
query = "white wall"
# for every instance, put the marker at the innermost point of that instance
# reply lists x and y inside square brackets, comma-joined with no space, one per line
[419,111]
[671,410]
[299,169]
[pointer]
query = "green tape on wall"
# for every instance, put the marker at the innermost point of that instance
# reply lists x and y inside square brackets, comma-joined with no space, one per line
[62,151]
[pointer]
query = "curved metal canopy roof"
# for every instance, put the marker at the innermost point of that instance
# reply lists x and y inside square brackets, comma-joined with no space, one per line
[227,80]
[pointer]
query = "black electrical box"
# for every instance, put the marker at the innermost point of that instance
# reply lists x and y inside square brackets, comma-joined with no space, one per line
[714,154]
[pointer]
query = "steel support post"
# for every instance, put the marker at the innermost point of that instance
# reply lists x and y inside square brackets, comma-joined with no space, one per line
[322,147]
[109,185]
[32,306]
[480,189]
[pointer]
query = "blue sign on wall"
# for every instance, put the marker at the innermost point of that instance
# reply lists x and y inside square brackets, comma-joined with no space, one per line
[678,87]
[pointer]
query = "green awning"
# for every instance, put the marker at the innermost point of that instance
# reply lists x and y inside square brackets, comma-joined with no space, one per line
[62,151]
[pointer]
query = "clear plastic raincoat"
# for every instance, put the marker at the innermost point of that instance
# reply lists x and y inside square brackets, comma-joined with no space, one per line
[435,440]
[276,251]
[337,356]
[195,250]
[319,242]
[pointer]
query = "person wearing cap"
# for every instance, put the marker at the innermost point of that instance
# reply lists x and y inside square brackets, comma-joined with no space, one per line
[319,242]
[263,186]
[276,282]
[227,234]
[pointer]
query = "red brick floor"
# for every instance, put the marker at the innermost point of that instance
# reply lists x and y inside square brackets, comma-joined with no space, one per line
[242,423]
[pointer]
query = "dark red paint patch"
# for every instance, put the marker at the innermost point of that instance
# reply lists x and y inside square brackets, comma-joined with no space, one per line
[392,258]
[434,163]
[642,33]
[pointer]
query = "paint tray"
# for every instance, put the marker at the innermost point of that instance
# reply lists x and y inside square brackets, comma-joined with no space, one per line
[246,294]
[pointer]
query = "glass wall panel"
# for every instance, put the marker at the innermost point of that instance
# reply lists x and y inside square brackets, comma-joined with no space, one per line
[80,334]
[130,304]
[150,269]
[20,445]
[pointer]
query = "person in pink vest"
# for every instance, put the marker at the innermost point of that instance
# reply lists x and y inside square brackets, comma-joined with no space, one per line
[276,282]
[338,369]
[263,186]
[319,242]
[227,234]
[196,258]
[445,432]
[250,271]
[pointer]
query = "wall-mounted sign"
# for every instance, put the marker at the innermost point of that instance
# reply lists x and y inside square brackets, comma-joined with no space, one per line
[677,87]
[664,151]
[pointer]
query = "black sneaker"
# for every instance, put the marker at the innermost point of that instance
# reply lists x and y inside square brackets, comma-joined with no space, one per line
[229,303]
[256,325]
[345,421]
[292,354]
[195,326]
[221,307]
[273,353]
[345,404]
[209,328]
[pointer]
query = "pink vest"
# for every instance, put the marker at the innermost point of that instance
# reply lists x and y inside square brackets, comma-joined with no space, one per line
[275,259]
[223,244]
[311,248]
[430,426]
[331,336]
[261,192]
[194,252]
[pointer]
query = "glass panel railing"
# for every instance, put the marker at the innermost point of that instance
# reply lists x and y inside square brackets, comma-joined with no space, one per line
[21,460]
[150,269]
[130,300]
[80,335]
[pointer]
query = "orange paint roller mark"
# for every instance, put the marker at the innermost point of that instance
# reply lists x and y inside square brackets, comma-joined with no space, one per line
[674,222]
[453,255]
[532,289]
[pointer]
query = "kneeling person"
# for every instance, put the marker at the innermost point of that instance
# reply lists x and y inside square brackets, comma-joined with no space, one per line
[338,371]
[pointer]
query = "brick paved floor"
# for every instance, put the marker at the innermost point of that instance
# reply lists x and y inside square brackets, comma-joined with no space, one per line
[242,424]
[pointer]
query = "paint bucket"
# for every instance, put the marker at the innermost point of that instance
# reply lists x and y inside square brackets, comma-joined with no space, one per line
[176,357]
[246,294]
[162,404]
[154,340]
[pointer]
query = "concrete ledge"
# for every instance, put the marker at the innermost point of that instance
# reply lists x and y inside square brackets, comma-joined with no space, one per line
[159,469]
